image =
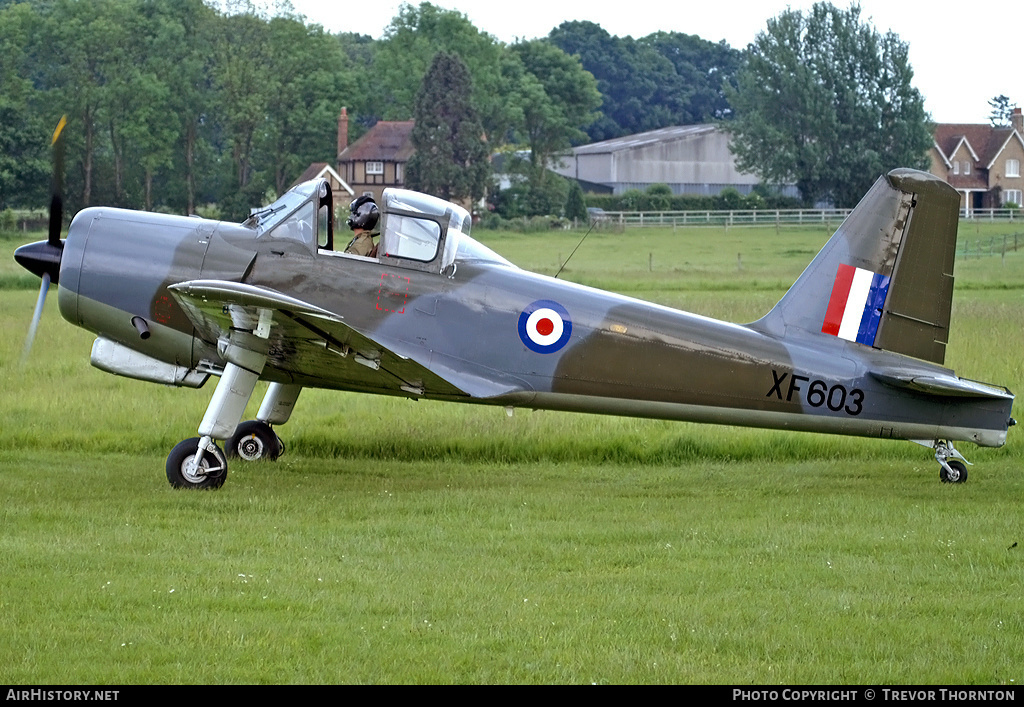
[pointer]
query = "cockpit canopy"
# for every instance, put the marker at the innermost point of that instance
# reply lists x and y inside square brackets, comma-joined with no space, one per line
[421,228]
[416,230]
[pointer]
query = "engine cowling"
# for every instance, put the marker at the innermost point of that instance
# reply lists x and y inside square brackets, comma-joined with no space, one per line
[114,274]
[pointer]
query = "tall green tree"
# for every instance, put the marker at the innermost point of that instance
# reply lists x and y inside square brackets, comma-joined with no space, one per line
[555,99]
[310,88]
[558,99]
[706,69]
[827,102]
[405,53]
[640,89]
[81,41]
[247,87]
[664,79]
[24,160]
[180,49]
[451,154]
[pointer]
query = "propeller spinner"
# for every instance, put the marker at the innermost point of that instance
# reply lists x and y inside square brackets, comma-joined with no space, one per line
[43,257]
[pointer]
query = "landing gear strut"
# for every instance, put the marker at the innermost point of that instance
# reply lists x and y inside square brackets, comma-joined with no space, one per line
[208,467]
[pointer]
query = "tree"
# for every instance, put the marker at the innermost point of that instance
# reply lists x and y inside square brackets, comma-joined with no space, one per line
[827,102]
[24,160]
[1002,111]
[451,155]
[181,53]
[666,78]
[575,205]
[405,53]
[302,121]
[705,68]
[640,89]
[558,98]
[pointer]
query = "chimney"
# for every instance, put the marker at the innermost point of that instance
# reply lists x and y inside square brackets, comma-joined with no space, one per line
[1017,121]
[342,131]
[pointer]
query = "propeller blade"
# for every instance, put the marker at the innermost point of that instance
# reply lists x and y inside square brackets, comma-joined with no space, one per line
[57,188]
[36,316]
[43,258]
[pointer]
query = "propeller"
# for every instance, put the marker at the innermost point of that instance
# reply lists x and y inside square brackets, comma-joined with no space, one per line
[43,257]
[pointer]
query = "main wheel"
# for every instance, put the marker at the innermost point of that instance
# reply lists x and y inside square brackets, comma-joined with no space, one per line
[958,467]
[253,440]
[181,470]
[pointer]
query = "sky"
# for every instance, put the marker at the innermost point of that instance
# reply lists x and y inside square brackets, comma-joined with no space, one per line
[962,55]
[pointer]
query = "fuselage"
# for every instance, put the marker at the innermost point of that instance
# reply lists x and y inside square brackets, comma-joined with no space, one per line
[513,338]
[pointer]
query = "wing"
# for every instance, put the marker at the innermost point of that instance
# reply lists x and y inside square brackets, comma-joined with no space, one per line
[307,344]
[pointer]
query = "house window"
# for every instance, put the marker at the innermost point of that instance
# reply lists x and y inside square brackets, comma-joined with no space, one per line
[956,167]
[967,167]
[1012,196]
[375,168]
[1012,168]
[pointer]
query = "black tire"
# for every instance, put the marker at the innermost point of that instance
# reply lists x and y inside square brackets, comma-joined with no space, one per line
[179,462]
[253,441]
[959,467]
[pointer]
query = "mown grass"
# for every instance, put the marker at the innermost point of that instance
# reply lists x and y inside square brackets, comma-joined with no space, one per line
[429,542]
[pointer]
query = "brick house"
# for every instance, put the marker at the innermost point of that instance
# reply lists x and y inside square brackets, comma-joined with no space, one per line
[981,162]
[377,160]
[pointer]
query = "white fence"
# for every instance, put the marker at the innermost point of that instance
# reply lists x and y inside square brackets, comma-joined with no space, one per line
[760,217]
[767,217]
[993,214]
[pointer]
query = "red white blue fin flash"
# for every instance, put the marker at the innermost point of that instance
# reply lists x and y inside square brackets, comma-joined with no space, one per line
[855,307]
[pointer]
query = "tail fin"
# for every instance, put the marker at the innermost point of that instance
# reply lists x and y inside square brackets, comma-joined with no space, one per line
[885,278]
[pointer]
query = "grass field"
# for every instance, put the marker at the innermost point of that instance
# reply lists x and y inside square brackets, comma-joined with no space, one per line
[428,542]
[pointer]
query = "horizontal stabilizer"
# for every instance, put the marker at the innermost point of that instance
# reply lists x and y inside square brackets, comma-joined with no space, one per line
[943,385]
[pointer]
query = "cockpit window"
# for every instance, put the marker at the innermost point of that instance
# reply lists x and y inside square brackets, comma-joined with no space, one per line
[266,218]
[300,226]
[412,237]
[422,228]
[301,215]
[473,251]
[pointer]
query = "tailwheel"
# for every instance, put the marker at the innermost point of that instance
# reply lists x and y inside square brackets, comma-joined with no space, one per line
[952,465]
[184,473]
[957,473]
[254,440]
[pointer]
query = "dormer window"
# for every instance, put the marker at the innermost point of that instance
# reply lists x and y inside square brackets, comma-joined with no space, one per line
[956,167]
[1012,168]
[967,167]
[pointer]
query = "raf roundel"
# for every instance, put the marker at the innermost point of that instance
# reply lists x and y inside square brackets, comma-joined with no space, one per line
[545,326]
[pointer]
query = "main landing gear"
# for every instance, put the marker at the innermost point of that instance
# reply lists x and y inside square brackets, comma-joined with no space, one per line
[198,462]
[250,441]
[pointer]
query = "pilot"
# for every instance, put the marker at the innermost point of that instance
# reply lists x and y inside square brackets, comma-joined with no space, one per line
[362,220]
